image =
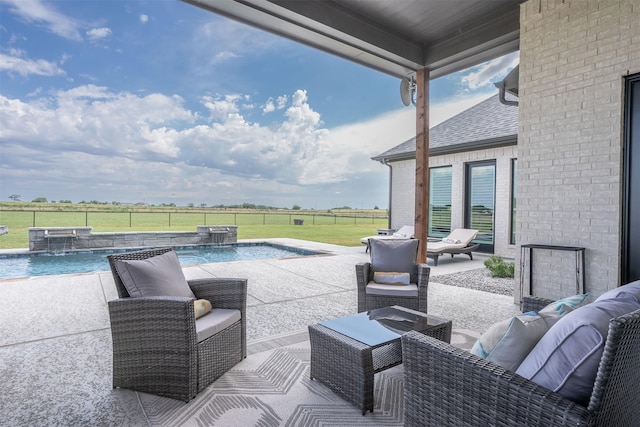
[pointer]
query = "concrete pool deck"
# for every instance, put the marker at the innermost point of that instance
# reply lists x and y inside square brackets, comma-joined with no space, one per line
[55,340]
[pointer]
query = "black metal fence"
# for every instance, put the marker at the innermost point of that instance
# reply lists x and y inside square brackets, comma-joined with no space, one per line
[180,219]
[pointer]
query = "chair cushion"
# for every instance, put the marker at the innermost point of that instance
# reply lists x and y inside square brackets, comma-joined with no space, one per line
[507,343]
[410,290]
[566,358]
[395,255]
[201,307]
[391,278]
[215,321]
[160,275]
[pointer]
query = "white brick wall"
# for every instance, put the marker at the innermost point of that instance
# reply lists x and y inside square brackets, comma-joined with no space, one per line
[403,191]
[574,55]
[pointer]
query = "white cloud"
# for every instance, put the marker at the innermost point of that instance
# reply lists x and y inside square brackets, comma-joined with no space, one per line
[268,107]
[281,102]
[224,56]
[98,33]
[490,72]
[144,18]
[149,147]
[44,14]
[26,67]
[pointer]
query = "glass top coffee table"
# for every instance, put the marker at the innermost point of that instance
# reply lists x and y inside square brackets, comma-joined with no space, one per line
[346,352]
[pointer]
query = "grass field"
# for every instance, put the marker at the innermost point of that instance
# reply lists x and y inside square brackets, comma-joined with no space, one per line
[341,228]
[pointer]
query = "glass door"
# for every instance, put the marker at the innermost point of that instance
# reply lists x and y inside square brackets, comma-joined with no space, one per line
[631,183]
[480,195]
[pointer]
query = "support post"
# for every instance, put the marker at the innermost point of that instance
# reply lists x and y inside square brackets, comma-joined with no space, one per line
[422,163]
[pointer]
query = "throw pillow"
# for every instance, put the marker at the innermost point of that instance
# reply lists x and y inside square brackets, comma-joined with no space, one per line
[395,255]
[201,307]
[160,275]
[507,343]
[391,278]
[564,305]
[632,288]
[566,358]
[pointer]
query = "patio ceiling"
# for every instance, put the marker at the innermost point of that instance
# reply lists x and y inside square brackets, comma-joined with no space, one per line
[397,37]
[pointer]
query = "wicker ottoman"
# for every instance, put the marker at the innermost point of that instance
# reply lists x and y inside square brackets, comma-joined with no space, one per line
[348,351]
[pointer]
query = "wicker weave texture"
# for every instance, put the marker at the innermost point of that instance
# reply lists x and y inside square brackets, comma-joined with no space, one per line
[447,386]
[347,366]
[155,347]
[366,302]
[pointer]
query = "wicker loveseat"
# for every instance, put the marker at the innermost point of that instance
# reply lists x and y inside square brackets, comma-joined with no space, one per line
[447,386]
[156,343]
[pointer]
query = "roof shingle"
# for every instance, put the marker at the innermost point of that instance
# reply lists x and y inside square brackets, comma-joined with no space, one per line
[487,123]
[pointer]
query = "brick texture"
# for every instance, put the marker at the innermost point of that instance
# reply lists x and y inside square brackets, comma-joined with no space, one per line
[403,191]
[574,55]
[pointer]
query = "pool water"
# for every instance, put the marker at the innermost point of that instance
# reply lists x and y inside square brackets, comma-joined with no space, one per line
[26,265]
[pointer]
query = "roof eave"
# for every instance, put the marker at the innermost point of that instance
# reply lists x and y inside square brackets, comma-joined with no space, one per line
[452,149]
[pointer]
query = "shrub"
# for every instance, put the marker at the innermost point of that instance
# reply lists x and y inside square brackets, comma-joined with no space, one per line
[500,268]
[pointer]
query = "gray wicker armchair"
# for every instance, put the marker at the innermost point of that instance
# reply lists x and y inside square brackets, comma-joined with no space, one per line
[447,386]
[366,302]
[155,345]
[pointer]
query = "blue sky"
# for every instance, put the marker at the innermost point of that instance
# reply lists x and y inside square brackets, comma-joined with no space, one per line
[163,102]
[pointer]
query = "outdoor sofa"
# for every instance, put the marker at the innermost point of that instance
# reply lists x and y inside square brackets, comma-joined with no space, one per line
[447,386]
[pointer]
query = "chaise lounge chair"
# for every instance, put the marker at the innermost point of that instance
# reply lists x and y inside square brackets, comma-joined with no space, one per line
[405,232]
[458,242]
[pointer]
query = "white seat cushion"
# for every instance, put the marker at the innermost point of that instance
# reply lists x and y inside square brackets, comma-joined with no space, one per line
[215,321]
[410,290]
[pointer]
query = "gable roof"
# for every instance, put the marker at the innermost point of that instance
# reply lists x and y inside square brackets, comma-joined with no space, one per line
[487,124]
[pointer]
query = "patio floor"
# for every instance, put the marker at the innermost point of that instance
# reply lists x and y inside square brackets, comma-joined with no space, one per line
[55,342]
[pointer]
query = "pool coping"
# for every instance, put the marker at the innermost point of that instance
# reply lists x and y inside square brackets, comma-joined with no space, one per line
[313,249]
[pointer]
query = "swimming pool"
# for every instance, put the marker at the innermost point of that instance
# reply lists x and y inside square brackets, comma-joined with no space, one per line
[26,265]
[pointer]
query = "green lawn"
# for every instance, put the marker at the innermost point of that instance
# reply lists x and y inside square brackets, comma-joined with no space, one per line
[339,230]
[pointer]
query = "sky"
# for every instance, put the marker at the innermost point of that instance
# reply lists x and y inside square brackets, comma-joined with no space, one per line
[159,101]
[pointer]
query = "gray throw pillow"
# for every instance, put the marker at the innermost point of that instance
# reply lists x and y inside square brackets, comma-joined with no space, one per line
[395,256]
[567,357]
[160,275]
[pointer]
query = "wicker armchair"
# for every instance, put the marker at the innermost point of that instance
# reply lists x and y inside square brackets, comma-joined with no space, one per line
[447,386]
[392,255]
[155,345]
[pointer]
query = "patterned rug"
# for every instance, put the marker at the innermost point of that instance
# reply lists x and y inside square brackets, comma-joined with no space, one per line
[271,387]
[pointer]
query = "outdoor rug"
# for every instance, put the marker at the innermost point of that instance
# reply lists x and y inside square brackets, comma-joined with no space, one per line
[271,387]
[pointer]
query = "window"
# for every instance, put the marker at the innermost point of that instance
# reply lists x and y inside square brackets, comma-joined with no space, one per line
[439,201]
[480,202]
[514,189]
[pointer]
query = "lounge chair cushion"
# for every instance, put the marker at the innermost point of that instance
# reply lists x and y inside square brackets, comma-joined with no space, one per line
[160,275]
[405,232]
[395,255]
[457,239]
[201,307]
[215,321]
[566,358]
[507,343]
